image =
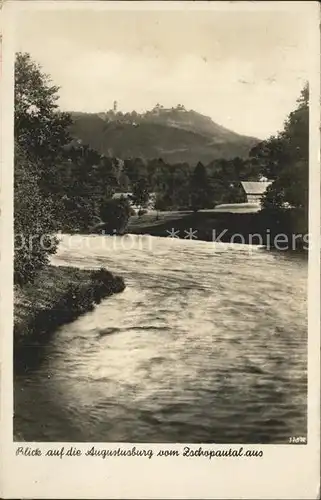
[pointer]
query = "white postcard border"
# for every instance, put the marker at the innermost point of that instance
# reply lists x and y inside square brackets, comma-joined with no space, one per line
[285,471]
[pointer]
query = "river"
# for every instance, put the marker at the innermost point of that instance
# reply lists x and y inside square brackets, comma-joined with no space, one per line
[208,343]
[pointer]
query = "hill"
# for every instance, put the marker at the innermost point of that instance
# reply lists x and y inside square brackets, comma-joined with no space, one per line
[174,134]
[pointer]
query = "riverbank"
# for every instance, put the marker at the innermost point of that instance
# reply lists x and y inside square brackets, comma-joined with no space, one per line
[261,227]
[155,363]
[58,295]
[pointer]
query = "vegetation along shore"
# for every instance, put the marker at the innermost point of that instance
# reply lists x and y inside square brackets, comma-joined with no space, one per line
[280,230]
[65,181]
[57,296]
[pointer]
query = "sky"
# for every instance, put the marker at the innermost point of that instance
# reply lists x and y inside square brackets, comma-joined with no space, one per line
[243,69]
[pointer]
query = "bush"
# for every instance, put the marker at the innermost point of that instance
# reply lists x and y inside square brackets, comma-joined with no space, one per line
[105,283]
[101,275]
[115,213]
[33,222]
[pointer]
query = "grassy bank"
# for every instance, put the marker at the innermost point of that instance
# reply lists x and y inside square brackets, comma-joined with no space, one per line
[202,223]
[209,225]
[58,295]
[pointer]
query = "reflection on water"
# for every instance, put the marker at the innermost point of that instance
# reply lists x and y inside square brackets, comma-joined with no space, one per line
[206,344]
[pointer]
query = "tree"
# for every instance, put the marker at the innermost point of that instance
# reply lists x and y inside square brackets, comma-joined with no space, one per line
[135,169]
[123,182]
[79,188]
[286,199]
[269,156]
[41,132]
[140,193]
[200,190]
[290,171]
[34,222]
[41,129]
[115,215]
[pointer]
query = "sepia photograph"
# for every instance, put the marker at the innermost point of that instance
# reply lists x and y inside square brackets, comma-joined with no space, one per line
[161,225]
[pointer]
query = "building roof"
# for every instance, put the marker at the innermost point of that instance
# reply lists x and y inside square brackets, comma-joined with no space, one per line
[255,187]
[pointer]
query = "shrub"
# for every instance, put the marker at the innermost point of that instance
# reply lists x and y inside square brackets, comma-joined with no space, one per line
[33,222]
[115,213]
[102,275]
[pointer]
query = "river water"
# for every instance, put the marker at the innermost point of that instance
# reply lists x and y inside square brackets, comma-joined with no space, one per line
[208,343]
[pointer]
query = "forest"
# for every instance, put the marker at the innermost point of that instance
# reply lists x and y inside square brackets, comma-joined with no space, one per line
[61,184]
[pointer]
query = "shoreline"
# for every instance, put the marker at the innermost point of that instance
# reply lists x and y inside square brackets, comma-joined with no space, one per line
[58,296]
[279,230]
[272,230]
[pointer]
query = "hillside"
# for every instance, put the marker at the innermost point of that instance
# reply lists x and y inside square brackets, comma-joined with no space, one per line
[176,135]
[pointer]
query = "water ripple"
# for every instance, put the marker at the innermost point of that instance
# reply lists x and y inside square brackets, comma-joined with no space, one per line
[208,343]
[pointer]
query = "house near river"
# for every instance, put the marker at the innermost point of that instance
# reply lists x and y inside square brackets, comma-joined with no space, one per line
[254,190]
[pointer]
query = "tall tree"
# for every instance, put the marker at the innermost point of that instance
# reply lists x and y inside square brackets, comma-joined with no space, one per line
[41,129]
[290,169]
[41,132]
[115,215]
[200,190]
[140,194]
[34,222]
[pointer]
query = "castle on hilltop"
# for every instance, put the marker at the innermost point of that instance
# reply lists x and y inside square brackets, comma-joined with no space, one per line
[159,108]
[134,118]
